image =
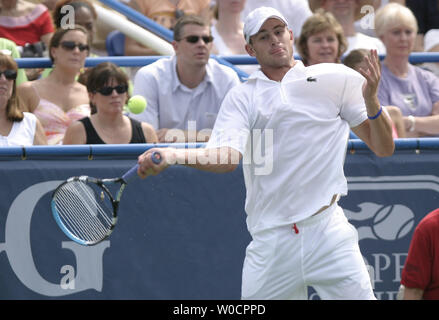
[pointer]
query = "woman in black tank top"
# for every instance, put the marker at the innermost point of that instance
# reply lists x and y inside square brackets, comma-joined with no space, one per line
[107,87]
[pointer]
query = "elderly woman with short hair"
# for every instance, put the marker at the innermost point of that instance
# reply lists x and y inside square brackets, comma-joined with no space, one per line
[414,90]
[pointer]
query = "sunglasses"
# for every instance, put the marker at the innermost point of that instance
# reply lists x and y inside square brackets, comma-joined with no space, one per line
[194,39]
[71,45]
[9,74]
[106,91]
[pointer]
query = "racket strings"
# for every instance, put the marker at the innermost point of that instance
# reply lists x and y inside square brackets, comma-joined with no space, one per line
[78,207]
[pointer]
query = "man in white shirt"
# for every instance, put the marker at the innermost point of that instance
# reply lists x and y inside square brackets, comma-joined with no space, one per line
[290,126]
[184,92]
[347,12]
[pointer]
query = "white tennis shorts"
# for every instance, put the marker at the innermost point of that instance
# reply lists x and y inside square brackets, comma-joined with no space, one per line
[321,251]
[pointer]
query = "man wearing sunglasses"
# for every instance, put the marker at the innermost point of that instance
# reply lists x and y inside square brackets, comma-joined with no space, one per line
[184,92]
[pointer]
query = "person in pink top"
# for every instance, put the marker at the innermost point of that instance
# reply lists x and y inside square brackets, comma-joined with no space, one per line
[59,99]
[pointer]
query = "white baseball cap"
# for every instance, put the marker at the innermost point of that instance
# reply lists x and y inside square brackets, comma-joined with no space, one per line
[431,39]
[255,19]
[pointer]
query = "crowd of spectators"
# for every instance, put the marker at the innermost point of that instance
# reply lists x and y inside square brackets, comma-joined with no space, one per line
[185,91]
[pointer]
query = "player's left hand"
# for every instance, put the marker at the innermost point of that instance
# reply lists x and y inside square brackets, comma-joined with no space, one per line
[372,75]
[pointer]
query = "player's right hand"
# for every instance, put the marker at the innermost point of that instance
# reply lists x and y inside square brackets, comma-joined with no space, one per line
[147,167]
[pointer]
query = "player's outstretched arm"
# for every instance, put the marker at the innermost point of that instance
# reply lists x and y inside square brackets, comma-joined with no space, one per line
[219,160]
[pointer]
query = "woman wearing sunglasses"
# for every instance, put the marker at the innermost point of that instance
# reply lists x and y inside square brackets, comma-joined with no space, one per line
[17,128]
[59,99]
[107,87]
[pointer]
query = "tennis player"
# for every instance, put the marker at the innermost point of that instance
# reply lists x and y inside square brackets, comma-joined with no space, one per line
[300,235]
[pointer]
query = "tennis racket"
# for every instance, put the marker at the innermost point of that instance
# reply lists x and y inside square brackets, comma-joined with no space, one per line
[84,207]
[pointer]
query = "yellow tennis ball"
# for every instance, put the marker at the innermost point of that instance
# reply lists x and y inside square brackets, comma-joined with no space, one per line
[136,104]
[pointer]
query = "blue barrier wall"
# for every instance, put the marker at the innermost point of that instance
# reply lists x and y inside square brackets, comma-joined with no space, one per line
[138,61]
[182,234]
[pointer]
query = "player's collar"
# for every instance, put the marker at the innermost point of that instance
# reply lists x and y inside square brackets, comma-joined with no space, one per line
[298,69]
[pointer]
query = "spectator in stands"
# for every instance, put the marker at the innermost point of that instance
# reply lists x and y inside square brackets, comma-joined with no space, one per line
[356,60]
[59,99]
[347,12]
[414,90]
[186,87]
[25,22]
[420,275]
[431,44]
[295,11]
[84,15]
[17,128]
[427,15]
[227,31]
[166,13]
[322,39]
[10,48]
[107,87]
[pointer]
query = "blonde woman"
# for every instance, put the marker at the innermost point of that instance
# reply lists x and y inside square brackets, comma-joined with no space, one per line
[414,90]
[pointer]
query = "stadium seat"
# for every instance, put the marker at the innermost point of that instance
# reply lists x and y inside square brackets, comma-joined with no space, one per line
[115,43]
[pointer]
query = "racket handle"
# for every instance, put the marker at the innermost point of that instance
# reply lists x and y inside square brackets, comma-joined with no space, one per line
[156,157]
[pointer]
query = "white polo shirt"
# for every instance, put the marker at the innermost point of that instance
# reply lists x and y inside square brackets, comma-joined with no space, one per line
[170,104]
[293,136]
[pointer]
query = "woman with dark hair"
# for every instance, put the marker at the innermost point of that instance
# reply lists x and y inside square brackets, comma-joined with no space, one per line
[107,87]
[59,99]
[17,128]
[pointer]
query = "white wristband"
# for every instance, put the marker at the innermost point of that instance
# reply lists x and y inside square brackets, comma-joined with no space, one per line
[412,123]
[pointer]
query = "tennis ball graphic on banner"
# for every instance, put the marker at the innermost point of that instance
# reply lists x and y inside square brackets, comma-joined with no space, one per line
[393,222]
[136,104]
